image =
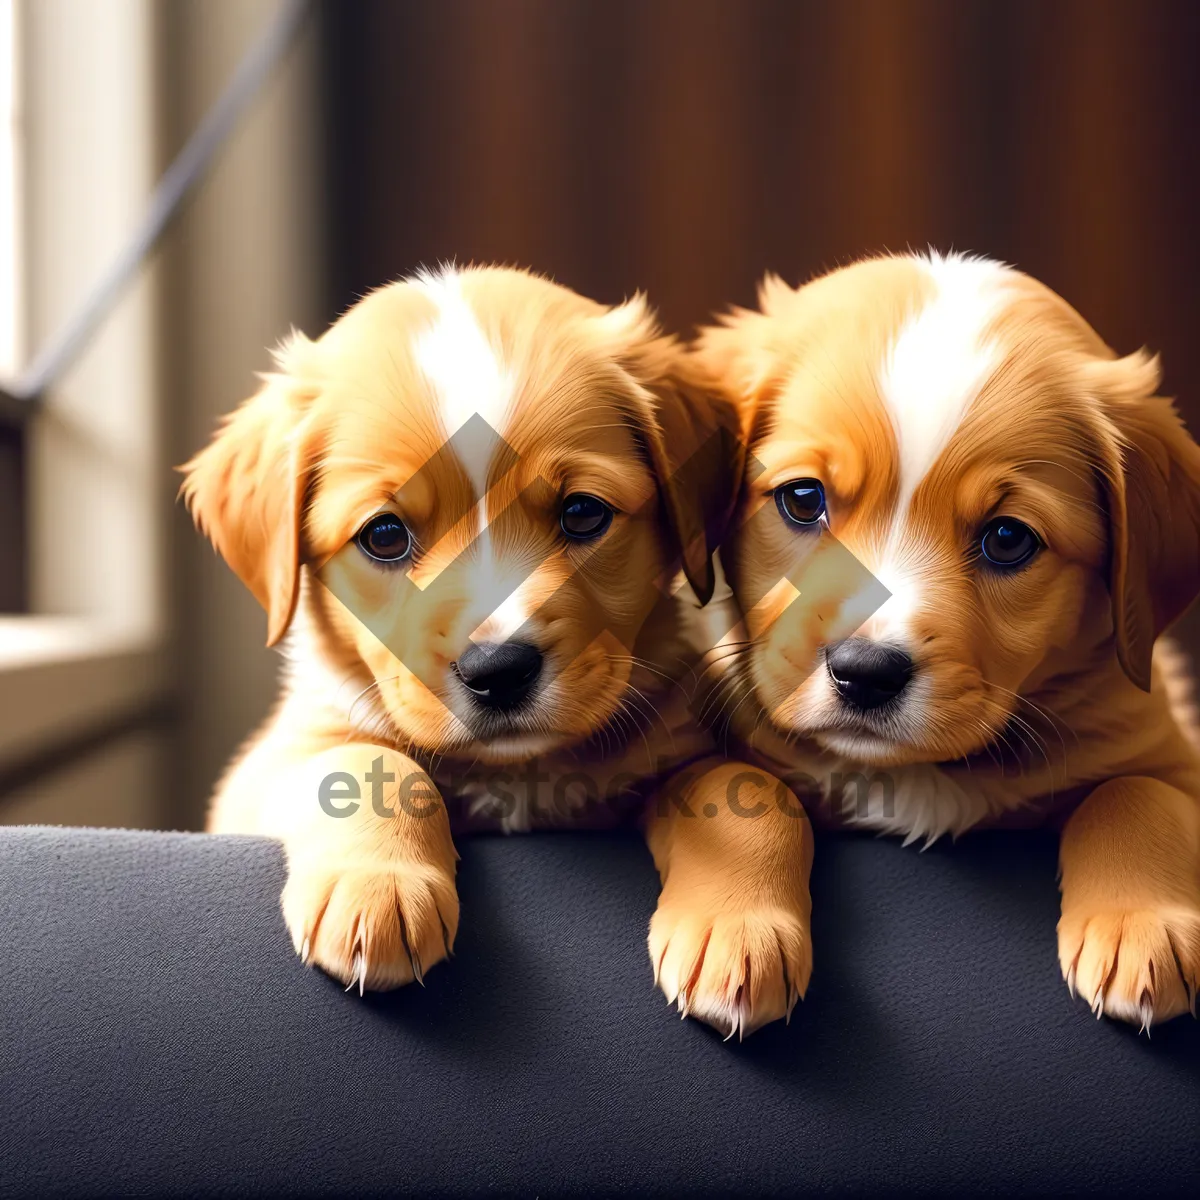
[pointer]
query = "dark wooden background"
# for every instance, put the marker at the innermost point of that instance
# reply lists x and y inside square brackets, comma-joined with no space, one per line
[685,146]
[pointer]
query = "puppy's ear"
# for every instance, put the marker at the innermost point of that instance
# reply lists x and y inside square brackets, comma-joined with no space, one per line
[246,490]
[741,353]
[1151,472]
[691,436]
[698,458]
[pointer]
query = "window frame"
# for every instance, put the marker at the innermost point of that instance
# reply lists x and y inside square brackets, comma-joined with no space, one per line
[12,411]
[79,652]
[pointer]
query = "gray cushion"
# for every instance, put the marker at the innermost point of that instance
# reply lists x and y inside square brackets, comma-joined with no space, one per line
[158,1034]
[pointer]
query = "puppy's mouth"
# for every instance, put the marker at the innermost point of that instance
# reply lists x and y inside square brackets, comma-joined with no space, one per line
[908,730]
[881,736]
[514,735]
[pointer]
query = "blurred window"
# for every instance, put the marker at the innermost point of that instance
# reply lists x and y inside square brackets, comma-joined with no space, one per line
[9,149]
[78,160]
[12,514]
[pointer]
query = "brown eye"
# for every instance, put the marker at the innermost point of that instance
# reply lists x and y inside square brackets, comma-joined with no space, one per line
[801,502]
[584,517]
[1006,543]
[385,539]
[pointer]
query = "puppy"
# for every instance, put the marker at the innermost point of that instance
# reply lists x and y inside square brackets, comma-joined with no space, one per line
[464,509]
[964,523]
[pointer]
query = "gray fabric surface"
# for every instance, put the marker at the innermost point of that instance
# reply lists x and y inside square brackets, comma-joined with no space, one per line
[158,1035]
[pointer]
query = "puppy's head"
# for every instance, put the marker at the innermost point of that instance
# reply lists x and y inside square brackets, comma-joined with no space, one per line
[952,430]
[479,485]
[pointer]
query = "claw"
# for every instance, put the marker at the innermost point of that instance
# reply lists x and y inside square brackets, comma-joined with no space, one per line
[793,998]
[445,935]
[1071,980]
[1146,1009]
[305,951]
[414,963]
[739,1003]
[357,974]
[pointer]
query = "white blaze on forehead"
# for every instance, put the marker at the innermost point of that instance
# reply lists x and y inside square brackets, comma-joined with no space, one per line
[932,373]
[461,364]
[939,362]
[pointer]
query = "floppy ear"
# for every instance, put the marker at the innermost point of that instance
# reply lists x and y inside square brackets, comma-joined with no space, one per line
[742,351]
[1152,480]
[698,458]
[691,436]
[246,491]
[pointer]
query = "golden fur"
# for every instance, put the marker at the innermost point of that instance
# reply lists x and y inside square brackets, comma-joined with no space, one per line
[592,400]
[1036,697]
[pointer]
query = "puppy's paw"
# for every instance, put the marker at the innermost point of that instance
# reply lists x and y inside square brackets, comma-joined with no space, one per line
[1141,966]
[377,926]
[735,970]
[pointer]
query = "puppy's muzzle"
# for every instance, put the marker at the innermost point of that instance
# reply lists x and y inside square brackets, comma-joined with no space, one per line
[499,675]
[865,674]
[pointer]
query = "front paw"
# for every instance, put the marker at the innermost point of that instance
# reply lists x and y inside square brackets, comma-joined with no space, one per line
[737,969]
[377,925]
[1140,966]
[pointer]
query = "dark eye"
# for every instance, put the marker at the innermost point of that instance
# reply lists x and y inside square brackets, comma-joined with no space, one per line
[584,516]
[385,539]
[1008,543]
[802,502]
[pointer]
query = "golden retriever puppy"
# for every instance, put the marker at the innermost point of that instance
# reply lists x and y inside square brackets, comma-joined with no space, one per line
[465,508]
[964,523]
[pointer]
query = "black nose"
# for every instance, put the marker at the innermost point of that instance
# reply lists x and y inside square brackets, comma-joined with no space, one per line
[499,674]
[866,674]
